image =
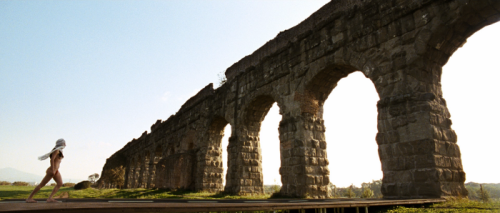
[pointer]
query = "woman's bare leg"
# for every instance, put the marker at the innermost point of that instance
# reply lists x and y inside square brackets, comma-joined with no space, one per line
[59,183]
[45,180]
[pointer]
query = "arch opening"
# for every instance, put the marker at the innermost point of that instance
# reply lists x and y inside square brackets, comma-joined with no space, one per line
[346,100]
[262,120]
[270,145]
[350,115]
[469,84]
[219,133]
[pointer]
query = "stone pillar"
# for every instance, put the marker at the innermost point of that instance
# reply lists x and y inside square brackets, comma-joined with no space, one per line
[209,159]
[151,175]
[141,178]
[417,146]
[128,173]
[244,176]
[209,169]
[137,177]
[304,164]
[131,178]
[145,172]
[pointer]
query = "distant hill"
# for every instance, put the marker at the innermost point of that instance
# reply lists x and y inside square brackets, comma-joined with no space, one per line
[492,188]
[11,175]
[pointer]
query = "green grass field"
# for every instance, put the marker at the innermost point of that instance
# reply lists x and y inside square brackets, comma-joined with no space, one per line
[453,205]
[16,192]
[22,192]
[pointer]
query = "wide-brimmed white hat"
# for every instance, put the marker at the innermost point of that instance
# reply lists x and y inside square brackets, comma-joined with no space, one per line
[60,144]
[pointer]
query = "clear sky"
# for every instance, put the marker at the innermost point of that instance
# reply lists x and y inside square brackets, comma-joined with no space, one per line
[99,73]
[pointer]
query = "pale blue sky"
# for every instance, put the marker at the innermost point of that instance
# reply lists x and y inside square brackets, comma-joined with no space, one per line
[99,73]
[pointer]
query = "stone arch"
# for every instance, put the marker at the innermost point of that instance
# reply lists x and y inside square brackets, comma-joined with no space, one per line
[319,87]
[445,33]
[256,111]
[302,130]
[244,153]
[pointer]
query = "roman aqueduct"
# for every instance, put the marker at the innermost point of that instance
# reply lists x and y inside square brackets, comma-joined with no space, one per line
[401,45]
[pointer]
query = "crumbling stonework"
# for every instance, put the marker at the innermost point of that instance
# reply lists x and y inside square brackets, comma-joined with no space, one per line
[401,45]
[176,171]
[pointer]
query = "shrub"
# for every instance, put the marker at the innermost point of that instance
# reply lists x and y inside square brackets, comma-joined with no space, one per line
[472,194]
[20,183]
[484,195]
[53,184]
[367,193]
[275,189]
[67,184]
[5,183]
[83,185]
[222,78]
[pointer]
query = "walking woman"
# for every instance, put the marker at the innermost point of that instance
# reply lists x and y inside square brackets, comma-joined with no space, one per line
[56,156]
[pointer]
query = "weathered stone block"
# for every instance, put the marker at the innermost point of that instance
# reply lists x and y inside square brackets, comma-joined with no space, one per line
[324,170]
[424,161]
[456,163]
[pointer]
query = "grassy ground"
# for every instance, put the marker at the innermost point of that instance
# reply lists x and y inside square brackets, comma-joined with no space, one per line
[12,192]
[453,205]
[22,192]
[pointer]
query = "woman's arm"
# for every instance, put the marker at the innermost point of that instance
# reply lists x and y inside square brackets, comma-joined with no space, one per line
[52,160]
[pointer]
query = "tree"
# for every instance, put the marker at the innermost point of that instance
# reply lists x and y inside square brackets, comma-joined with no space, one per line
[367,193]
[93,178]
[376,187]
[116,176]
[350,192]
[333,190]
[484,195]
